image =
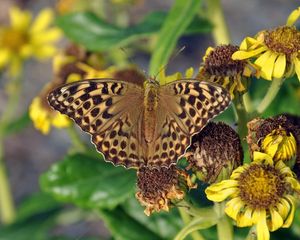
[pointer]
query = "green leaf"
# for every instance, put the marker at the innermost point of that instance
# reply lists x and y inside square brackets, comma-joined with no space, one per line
[37,203]
[36,229]
[124,227]
[88,181]
[180,16]
[165,224]
[17,125]
[98,35]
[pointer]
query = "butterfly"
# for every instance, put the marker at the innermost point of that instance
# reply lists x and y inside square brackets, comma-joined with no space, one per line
[138,125]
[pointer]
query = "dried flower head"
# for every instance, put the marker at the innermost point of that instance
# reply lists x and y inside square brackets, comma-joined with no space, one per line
[215,152]
[159,188]
[220,68]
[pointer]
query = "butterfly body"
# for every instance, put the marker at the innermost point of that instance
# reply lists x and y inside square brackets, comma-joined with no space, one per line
[136,125]
[151,98]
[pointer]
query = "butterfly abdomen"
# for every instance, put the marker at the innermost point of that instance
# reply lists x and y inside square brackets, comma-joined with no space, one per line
[150,111]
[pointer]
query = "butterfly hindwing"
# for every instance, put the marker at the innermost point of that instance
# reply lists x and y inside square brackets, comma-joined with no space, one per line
[104,109]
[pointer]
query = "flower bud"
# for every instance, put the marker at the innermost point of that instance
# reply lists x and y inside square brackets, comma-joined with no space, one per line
[215,152]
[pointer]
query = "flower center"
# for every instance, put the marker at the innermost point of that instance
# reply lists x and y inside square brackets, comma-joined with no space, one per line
[284,40]
[261,186]
[13,39]
[220,63]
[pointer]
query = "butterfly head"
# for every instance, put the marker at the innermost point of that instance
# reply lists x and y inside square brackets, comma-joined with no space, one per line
[153,81]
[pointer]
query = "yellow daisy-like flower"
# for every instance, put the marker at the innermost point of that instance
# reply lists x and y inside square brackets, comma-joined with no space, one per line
[260,193]
[276,52]
[25,39]
[219,67]
[43,116]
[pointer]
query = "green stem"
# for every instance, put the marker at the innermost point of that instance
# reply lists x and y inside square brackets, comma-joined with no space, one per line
[271,94]
[247,103]
[78,145]
[186,218]
[216,16]
[241,115]
[224,226]
[7,208]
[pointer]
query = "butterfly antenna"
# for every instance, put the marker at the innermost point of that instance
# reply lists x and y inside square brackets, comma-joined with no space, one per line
[171,60]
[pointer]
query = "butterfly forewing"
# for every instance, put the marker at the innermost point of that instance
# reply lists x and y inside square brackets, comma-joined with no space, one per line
[185,108]
[110,111]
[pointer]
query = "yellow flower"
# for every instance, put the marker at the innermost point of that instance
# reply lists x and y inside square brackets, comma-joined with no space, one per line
[281,146]
[219,67]
[260,193]
[276,52]
[25,39]
[44,117]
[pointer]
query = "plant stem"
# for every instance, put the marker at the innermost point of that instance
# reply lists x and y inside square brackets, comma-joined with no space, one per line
[247,103]
[224,226]
[7,208]
[271,94]
[186,218]
[78,145]
[216,16]
[241,115]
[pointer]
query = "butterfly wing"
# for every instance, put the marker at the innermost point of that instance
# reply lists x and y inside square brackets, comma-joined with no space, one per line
[185,107]
[111,111]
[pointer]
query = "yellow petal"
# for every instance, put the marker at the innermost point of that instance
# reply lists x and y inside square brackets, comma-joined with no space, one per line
[45,51]
[279,67]
[247,43]
[26,51]
[297,66]
[245,219]
[267,69]
[240,55]
[289,220]
[294,183]
[262,228]
[47,36]
[5,56]
[207,52]
[262,158]
[19,19]
[42,21]
[260,61]
[292,18]
[233,207]
[61,121]
[189,73]
[219,196]
[276,220]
